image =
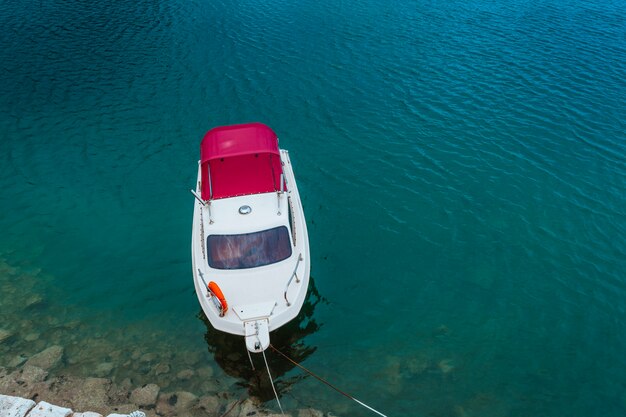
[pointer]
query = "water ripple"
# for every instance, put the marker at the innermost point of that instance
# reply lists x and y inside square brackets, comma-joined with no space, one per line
[467,157]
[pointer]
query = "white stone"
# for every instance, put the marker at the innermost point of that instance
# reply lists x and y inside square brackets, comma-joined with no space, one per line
[87,414]
[14,406]
[44,409]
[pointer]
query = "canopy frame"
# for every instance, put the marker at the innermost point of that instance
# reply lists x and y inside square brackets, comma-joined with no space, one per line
[240,160]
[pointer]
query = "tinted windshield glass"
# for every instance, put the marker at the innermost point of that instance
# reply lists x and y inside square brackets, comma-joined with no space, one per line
[249,250]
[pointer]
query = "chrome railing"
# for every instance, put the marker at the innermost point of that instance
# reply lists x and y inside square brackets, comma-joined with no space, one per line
[294,274]
[204,203]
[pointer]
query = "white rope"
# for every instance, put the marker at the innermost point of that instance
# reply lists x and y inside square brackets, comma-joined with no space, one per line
[369,408]
[272,382]
[319,378]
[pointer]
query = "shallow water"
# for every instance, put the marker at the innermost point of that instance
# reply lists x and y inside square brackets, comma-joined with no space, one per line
[462,167]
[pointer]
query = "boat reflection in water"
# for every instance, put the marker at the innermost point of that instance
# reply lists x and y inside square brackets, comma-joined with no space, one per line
[231,355]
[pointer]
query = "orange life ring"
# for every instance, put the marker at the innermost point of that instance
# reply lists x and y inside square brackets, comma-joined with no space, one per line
[219,299]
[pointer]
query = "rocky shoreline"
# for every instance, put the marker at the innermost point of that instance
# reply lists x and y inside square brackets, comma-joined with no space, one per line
[32,380]
[48,354]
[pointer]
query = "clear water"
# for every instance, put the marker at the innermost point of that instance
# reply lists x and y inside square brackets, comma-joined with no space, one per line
[462,165]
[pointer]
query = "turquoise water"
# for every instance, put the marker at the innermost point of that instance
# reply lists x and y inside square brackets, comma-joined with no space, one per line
[462,166]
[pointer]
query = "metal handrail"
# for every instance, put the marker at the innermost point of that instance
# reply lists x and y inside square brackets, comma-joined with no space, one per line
[200,200]
[205,203]
[294,274]
[292,219]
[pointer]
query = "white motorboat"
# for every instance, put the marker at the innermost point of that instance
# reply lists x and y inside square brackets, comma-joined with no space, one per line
[250,247]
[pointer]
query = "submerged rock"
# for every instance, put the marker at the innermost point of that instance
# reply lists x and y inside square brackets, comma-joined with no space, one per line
[103,369]
[185,374]
[48,358]
[210,386]
[417,365]
[208,404]
[166,405]
[145,396]
[445,366]
[81,394]
[115,355]
[177,403]
[192,358]
[310,412]
[249,407]
[126,384]
[31,337]
[148,357]
[161,368]
[28,382]
[17,361]
[186,400]
[205,372]
[72,325]
[31,374]
[33,300]
[5,335]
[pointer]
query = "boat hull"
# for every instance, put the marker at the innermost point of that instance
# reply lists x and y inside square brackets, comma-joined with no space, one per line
[260,299]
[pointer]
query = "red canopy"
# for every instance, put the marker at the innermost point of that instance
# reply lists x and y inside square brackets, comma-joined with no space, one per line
[239,160]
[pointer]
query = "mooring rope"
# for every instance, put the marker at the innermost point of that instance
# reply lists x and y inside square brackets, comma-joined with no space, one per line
[231,408]
[322,380]
[272,382]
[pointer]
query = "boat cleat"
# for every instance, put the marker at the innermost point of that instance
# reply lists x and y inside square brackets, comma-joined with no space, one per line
[257,335]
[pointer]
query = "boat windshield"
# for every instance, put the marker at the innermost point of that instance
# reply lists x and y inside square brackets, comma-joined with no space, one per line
[249,250]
